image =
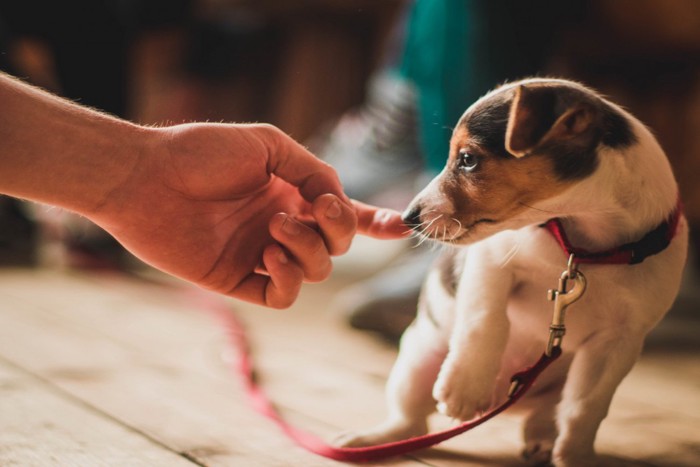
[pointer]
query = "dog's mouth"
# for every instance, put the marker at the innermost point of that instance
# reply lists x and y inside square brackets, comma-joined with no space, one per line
[480,221]
[445,235]
[467,230]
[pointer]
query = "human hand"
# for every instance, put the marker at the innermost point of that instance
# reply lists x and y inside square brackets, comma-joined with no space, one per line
[239,209]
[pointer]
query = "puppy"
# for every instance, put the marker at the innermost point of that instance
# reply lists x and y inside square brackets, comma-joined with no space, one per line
[526,153]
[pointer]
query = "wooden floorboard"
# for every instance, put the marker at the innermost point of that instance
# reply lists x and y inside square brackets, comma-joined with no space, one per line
[40,426]
[140,367]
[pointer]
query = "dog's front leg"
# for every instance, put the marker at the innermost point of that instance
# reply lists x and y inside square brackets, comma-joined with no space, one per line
[408,390]
[465,384]
[598,367]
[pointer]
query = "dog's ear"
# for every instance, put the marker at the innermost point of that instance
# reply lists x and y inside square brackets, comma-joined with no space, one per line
[540,115]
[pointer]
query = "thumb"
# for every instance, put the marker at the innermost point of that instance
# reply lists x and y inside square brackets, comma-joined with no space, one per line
[382,223]
[293,163]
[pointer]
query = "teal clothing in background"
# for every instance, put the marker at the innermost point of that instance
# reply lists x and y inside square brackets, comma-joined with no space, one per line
[438,60]
[457,50]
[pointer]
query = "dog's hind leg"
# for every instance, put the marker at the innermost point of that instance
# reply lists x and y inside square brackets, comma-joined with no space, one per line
[408,390]
[597,369]
[540,428]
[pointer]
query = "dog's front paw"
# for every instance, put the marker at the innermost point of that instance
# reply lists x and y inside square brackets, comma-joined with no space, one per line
[385,433]
[460,394]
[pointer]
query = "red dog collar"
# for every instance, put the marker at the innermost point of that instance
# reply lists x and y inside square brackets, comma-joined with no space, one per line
[655,241]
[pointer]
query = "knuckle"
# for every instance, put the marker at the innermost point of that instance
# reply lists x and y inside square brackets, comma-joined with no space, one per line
[281,304]
[268,128]
[311,244]
[271,135]
[317,246]
[281,299]
[328,171]
[337,238]
[342,246]
[319,273]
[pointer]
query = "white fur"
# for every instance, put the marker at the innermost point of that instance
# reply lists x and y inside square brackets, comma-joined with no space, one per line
[497,323]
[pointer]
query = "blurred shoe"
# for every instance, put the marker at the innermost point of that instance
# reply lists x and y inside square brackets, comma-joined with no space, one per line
[375,147]
[386,303]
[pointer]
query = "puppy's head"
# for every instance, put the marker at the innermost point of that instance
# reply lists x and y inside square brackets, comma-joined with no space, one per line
[522,143]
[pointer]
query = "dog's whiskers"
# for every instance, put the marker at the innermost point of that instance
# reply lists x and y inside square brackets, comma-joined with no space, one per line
[432,222]
[458,232]
[442,235]
[424,233]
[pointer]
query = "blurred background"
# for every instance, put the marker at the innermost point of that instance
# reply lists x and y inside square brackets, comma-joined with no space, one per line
[373,87]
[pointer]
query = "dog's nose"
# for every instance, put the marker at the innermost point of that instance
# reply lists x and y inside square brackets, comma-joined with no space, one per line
[411,216]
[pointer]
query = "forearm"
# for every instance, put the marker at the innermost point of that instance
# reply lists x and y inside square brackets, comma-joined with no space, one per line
[57,152]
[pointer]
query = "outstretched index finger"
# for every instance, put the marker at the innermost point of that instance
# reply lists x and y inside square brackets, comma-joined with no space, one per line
[382,223]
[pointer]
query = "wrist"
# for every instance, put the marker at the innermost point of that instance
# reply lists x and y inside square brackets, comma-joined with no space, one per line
[60,153]
[125,171]
[96,175]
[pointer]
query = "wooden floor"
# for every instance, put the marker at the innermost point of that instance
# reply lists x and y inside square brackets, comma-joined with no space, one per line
[108,370]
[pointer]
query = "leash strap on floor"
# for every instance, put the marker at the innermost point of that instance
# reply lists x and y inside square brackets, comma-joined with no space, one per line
[521,382]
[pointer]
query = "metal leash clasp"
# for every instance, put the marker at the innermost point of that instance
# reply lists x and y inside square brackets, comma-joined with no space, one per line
[562,298]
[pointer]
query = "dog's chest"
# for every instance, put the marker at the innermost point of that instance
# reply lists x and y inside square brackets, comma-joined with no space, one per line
[518,283]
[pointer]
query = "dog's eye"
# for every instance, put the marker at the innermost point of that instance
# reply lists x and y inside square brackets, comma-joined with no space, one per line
[467,162]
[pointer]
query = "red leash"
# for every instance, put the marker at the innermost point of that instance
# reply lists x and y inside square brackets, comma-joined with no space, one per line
[521,382]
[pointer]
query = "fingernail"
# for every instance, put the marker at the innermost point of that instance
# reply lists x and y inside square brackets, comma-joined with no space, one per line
[333,211]
[290,227]
[282,258]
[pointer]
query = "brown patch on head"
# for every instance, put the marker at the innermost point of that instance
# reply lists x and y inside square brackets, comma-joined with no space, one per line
[500,188]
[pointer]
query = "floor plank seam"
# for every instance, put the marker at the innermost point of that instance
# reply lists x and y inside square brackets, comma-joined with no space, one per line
[96,410]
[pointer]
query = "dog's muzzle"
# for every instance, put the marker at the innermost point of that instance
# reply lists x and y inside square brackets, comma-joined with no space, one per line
[411,217]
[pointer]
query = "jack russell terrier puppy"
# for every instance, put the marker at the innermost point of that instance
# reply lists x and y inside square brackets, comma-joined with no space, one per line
[535,166]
